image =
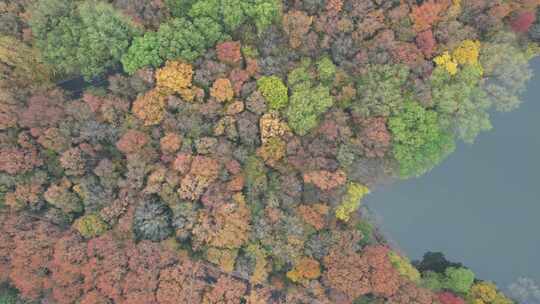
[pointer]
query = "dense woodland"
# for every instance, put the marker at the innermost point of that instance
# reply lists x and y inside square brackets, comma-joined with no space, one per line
[219,150]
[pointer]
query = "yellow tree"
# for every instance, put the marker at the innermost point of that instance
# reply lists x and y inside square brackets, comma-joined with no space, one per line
[174,77]
[150,107]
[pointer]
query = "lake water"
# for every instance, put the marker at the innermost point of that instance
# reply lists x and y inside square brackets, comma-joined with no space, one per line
[481,207]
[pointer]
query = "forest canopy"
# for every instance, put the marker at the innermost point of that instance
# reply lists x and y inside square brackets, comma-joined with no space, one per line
[219,151]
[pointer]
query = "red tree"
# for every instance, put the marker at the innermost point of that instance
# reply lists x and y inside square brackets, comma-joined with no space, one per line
[449,298]
[522,22]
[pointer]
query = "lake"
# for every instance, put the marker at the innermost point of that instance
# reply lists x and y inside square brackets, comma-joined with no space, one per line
[481,207]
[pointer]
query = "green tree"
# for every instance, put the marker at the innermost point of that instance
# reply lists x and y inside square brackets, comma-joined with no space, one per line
[419,141]
[89,38]
[460,101]
[229,13]
[178,38]
[307,103]
[327,70]
[308,100]
[432,280]
[274,91]
[144,51]
[506,68]
[458,279]
[381,90]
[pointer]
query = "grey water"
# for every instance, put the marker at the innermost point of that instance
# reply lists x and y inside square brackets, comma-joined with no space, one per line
[480,207]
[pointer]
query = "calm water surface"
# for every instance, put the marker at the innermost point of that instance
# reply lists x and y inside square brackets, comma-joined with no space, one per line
[481,206]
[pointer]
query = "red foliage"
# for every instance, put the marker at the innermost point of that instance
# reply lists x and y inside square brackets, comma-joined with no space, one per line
[384,278]
[132,141]
[6,246]
[226,291]
[522,22]
[238,77]
[42,110]
[69,256]
[146,259]
[31,256]
[427,14]
[325,180]
[106,267]
[14,160]
[410,293]
[426,43]
[374,137]
[345,272]
[449,298]
[229,52]
[334,6]
[182,283]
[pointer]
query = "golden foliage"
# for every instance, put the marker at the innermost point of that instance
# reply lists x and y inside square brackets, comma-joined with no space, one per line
[260,273]
[486,293]
[222,90]
[272,151]
[174,77]
[272,126]
[20,62]
[306,269]
[352,201]
[224,258]
[447,62]
[467,52]
[227,226]
[150,107]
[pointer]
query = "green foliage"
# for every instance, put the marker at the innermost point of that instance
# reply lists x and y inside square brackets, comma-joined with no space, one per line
[88,39]
[230,13]
[458,279]
[8,295]
[275,92]
[47,14]
[144,51]
[460,100]
[262,12]
[308,100]
[432,280]
[419,141]
[90,225]
[507,70]
[306,105]
[381,90]
[256,183]
[327,70]
[178,8]
[367,233]
[178,38]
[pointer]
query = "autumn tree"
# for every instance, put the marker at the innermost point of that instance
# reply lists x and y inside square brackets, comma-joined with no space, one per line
[174,77]
[150,107]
